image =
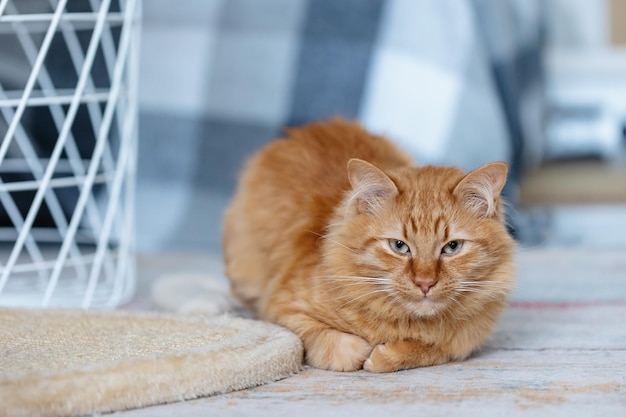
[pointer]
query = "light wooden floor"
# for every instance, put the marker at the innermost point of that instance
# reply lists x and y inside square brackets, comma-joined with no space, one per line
[560,349]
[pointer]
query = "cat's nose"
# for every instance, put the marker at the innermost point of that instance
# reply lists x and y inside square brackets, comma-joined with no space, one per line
[425,284]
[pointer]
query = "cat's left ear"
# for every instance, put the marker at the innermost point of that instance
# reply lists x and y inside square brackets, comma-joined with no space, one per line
[480,189]
[371,186]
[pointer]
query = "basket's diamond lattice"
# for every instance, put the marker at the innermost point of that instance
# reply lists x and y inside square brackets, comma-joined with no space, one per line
[68,125]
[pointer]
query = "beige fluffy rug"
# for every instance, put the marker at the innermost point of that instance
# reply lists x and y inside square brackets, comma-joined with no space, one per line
[65,363]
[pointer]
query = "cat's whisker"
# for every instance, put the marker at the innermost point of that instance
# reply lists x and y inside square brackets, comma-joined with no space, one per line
[357,280]
[499,288]
[459,311]
[339,298]
[492,287]
[367,294]
[359,284]
[332,225]
[484,283]
[331,239]
[343,296]
[488,294]
[349,277]
[396,299]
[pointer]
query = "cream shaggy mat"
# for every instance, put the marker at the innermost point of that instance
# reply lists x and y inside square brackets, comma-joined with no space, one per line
[65,363]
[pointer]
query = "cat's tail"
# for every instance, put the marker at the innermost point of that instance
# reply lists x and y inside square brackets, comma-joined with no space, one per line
[204,294]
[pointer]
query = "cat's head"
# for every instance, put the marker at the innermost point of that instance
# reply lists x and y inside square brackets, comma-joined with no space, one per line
[421,241]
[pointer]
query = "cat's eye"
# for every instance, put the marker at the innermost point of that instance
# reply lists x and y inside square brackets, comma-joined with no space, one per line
[452,247]
[399,246]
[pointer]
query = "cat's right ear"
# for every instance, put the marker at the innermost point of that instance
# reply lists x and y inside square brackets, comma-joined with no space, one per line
[480,189]
[371,187]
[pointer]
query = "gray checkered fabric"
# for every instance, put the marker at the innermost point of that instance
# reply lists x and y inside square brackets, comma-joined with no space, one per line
[452,81]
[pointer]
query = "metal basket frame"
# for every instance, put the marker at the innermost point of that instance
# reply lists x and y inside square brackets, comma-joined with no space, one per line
[86,260]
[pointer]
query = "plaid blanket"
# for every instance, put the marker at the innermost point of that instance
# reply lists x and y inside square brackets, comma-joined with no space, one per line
[453,82]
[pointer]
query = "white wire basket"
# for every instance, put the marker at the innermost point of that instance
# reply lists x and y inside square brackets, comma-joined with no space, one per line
[68,123]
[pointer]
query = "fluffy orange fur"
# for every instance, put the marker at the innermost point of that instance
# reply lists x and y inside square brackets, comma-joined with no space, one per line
[372,261]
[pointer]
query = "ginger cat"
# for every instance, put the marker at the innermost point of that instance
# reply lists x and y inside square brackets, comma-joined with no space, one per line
[372,261]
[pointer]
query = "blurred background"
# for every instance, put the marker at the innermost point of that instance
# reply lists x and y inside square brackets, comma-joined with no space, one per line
[539,84]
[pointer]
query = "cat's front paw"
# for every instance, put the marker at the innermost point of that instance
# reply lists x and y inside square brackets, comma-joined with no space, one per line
[404,354]
[382,359]
[337,351]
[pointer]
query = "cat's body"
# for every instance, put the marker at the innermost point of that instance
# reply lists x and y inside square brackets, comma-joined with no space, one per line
[377,264]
